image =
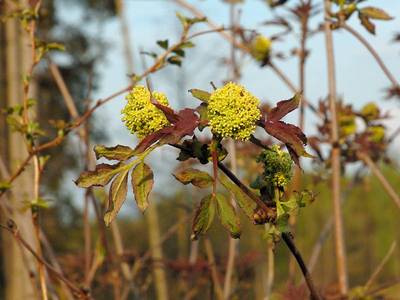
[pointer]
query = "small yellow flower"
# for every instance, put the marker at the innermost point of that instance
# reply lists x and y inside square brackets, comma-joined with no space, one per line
[140,116]
[260,47]
[376,133]
[370,111]
[233,112]
[280,180]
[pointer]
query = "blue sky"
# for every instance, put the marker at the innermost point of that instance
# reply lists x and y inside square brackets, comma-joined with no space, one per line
[359,79]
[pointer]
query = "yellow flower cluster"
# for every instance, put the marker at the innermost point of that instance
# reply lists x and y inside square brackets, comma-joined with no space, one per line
[140,116]
[260,47]
[280,180]
[233,112]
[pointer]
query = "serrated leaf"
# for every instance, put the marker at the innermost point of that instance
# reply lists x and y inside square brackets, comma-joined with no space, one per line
[227,216]
[367,23]
[163,44]
[142,183]
[291,136]
[4,186]
[375,13]
[183,123]
[200,94]
[245,202]
[203,217]
[284,107]
[116,196]
[118,152]
[101,176]
[196,177]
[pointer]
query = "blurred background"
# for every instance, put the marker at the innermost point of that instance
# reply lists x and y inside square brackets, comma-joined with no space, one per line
[103,43]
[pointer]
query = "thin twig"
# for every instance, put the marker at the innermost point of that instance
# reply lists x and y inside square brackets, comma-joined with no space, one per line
[379,268]
[213,268]
[233,243]
[335,159]
[73,287]
[371,49]
[384,182]
[292,247]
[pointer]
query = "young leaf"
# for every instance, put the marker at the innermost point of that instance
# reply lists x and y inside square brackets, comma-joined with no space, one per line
[200,94]
[142,183]
[118,152]
[367,23]
[227,216]
[284,107]
[291,136]
[375,13]
[175,60]
[203,217]
[195,177]
[187,44]
[244,201]
[116,196]
[4,186]
[183,123]
[179,52]
[163,44]
[99,177]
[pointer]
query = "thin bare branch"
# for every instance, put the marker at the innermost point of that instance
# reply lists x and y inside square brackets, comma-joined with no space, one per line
[341,263]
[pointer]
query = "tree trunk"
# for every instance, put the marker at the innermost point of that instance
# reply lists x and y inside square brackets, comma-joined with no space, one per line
[19,265]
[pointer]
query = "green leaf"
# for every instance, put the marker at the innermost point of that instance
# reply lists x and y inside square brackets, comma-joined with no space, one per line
[196,177]
[118,152]
[99,177]
[4,186]
[175,60]
[142,183]
[203,217]
[227,216]
[163,44]
[280,211]
[179,52]
[187,44]
[200,94]
[56,46]
[116,196]
[245,202]
[185,21]
[375,13]
[151,54]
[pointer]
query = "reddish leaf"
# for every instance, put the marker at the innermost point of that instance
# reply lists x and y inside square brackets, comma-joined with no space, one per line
[291,136]
[152,138]
[168,112]
[283,108]
[185,122]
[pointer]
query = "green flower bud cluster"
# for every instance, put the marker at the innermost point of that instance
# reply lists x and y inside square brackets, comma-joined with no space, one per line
[233,112]
[277,167]
[260,47]
[140,116]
